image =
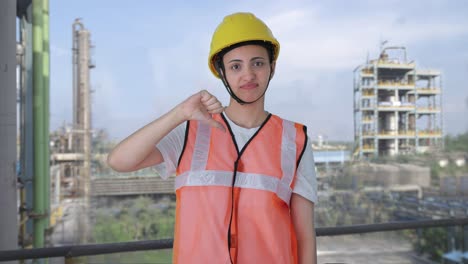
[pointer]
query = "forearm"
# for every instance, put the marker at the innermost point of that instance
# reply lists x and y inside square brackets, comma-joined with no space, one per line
[140,146]
[138,150]
[307,250]
[302,213]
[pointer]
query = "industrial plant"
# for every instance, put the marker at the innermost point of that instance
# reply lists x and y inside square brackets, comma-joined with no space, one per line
[71,147]
[62,203]
[397,106]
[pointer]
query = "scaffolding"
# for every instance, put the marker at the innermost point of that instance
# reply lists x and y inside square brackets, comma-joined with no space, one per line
[397,107]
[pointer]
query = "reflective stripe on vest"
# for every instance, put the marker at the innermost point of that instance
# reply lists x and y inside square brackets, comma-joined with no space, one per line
[200,177]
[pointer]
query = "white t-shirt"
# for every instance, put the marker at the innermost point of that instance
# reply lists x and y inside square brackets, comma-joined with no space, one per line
[171,147]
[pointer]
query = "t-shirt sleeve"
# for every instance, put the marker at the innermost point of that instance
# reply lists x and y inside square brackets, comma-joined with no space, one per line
[306,179]
[171,148]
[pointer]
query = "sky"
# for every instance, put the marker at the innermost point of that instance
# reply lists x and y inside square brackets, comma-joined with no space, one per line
[151,55]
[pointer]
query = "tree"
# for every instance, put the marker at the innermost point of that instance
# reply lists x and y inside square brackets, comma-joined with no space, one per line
[138,219]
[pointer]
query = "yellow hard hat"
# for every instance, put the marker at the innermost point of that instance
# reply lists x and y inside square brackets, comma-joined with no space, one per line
[237,28]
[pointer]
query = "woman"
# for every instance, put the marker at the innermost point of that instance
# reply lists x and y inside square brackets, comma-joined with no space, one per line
[245,179]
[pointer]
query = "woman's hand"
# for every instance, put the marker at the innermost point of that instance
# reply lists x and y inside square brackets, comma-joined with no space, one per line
[200,106]
[138,150]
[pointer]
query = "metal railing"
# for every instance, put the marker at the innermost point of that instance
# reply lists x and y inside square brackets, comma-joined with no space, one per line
[109,248]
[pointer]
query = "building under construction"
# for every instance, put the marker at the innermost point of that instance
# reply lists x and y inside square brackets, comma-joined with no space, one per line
[397,107]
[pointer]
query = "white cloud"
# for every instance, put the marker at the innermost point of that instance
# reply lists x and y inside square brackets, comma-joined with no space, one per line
[289,20]
[335,43]
[317,52]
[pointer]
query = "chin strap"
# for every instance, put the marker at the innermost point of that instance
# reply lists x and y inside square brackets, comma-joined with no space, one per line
[222,74]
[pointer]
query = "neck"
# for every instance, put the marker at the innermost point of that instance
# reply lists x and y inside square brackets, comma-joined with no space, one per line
[248,115]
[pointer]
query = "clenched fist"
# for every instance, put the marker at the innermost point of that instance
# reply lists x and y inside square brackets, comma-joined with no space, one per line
[200,106]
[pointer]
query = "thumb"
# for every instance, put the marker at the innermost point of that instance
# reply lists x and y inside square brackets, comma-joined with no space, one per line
[210,121]
[205,95]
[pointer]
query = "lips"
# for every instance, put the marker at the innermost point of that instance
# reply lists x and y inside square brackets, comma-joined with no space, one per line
[249,86]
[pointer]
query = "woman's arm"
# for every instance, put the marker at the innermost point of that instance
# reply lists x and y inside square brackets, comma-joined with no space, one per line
[138,150]
[302,213]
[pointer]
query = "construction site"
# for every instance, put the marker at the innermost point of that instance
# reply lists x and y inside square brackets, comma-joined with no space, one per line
[397,106]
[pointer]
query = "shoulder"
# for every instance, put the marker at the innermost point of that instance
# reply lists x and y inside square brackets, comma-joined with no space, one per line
[295,130]
[279,118]
[300,129]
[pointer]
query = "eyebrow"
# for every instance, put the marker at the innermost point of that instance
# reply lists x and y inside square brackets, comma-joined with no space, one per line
[254,58]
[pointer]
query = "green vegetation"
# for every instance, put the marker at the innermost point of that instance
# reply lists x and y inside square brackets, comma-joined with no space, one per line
[450,170]
[458,143]
[138,219]
[350,208]
[453,145]
[433,242]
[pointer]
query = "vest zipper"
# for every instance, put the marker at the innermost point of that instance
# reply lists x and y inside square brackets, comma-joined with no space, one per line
[234,176]
[236,163]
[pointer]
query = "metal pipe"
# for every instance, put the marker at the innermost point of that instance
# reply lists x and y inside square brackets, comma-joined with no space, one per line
[46,80]
[21,174]
[108,248]
[26,126]
[85,82]
[29,123]
[39,210]
[82,113]
[74,74]
[441,114]
[8,181]
[76,28]
[57,185]
[397,47]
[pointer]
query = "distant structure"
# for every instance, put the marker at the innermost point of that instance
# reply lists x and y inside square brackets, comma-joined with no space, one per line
[82,100]
[71,147]
[329,157]
[397,107]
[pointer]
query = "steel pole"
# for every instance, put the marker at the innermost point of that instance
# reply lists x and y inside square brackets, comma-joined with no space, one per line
[8,63]
[28,117]
[39,212]
[46,111]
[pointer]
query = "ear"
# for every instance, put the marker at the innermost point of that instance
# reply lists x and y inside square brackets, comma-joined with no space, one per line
[272,67]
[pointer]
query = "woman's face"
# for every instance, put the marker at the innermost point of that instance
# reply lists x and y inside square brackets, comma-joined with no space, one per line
[247,71]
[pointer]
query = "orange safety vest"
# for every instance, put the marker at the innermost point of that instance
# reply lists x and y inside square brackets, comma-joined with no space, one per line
[233,205]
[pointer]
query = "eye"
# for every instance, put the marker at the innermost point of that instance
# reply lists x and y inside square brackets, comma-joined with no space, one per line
[235,67]
[258,63]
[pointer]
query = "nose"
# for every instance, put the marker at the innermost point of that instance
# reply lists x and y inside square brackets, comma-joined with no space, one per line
[249,74]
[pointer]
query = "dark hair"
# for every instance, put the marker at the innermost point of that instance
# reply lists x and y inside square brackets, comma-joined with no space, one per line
[218,58]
